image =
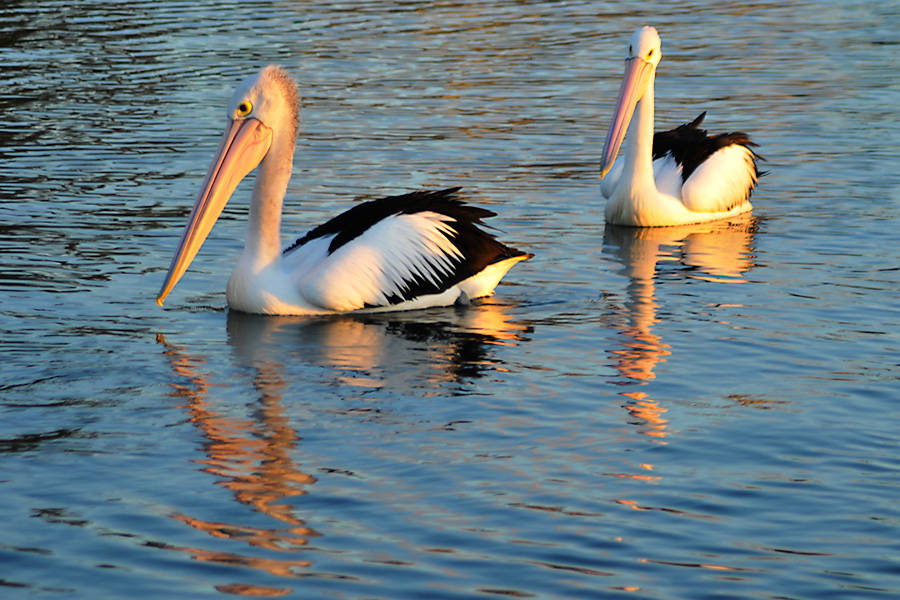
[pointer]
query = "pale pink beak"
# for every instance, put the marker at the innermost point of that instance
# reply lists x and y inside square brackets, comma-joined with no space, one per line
[244,145]
[633,86]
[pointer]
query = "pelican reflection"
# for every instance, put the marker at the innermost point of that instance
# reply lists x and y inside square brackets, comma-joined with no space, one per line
[411,353]
[252,453]
[251,458]
[719,251]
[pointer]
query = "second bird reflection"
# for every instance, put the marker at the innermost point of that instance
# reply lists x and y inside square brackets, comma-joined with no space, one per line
[720,251]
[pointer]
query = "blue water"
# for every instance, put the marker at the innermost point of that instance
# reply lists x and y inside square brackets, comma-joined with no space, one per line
[696,412]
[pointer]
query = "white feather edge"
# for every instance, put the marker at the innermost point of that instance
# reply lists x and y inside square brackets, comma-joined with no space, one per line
[364,273]
[722,182]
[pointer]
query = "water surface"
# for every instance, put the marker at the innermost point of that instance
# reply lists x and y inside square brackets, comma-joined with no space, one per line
[677,413]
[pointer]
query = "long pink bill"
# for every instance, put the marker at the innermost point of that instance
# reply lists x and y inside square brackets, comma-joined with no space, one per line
[630,92]
[242,148]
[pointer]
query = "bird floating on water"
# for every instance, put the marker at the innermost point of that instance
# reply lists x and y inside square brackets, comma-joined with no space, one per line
[406,252]
[674,177]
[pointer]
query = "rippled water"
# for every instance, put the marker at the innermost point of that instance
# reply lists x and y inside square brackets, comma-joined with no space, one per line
[674,413]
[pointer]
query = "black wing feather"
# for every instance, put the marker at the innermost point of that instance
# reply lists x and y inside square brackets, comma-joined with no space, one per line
[691,146]
[478,248]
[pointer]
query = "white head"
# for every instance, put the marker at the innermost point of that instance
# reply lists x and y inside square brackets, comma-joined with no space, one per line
[271,97]
[644,52]
[262,124]
[645,45]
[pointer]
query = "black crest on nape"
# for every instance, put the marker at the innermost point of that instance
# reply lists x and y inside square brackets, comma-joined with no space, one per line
[691,146]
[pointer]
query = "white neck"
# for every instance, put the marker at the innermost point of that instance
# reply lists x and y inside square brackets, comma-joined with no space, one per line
[263,245]
[639,149]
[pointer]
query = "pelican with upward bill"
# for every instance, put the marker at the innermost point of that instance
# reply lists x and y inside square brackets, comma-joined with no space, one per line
[406,252]
[675,177]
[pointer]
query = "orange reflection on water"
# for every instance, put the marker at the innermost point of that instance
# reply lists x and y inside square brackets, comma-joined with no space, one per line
[698,565]
[252,459]
[243,589]
[494,323]
[283,568]
[720,251]
[393,351]
[648,412]
[693,515]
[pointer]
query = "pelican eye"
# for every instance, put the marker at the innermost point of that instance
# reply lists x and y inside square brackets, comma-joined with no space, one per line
[244,108]
[650,54]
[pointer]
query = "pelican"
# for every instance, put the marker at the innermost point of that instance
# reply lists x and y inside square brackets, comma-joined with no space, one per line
[676,177]
[406,252]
